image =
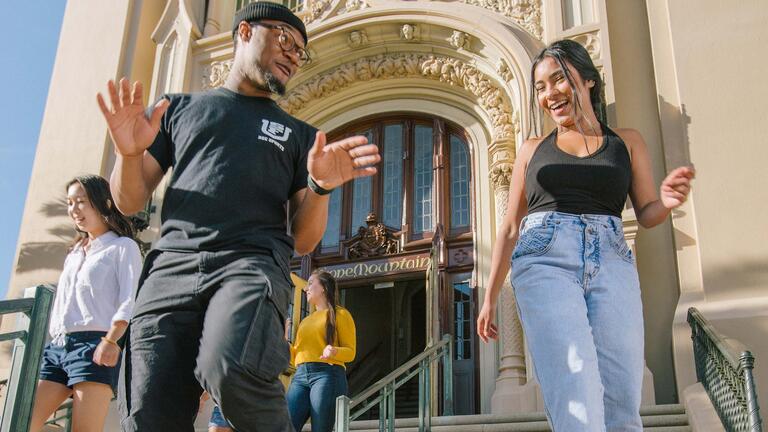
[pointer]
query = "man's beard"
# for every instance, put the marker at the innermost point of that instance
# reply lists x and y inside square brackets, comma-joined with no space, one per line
[271,83]
[274,84]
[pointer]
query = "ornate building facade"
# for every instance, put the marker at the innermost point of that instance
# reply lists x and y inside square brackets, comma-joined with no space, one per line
[443,88]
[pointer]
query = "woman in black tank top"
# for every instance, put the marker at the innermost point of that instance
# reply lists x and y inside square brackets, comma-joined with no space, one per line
[573,275]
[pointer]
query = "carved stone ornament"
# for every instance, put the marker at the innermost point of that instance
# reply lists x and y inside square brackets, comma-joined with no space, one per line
[526,13]
[459,40]
[591,42]
[372,240]
[502,68]
[357,38]
[316,9]
[501,175]
[353,5]
[408,32]
[216,73]
[448,70]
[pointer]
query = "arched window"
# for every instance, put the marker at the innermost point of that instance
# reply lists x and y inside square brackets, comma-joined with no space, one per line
[424,179]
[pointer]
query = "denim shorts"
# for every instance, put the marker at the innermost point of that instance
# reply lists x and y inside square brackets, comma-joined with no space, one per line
[73,363]
[217,419]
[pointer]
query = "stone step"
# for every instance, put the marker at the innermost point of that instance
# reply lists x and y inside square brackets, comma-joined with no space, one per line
[657,418]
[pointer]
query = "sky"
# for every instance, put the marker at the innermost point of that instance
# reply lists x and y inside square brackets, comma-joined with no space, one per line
[29,35]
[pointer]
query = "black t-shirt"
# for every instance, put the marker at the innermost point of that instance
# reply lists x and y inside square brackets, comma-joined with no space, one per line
[236,161]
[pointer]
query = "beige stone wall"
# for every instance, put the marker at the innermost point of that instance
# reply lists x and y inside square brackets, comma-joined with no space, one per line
[636,107]
[710,68]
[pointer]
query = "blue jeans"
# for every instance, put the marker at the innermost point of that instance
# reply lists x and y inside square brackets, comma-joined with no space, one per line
[578,297]
[313,392]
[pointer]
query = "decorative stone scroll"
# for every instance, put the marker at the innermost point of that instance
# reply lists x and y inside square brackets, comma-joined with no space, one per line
[374,239]
[590,41]
[448,70]
[216,73]
[526,13]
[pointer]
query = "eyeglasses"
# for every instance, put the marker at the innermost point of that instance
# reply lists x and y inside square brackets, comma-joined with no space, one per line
[287,42]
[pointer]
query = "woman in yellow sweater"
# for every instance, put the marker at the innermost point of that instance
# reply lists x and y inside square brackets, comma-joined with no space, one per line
[324,343]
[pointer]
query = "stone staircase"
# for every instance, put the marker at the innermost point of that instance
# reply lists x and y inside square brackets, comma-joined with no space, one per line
[656,418]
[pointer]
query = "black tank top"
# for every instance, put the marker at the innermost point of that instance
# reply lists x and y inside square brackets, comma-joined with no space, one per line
[595,184]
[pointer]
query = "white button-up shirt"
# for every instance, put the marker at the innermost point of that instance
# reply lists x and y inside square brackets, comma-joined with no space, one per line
[96,286]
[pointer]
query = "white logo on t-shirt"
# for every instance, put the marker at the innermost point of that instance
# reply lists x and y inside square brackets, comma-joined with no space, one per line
[275,130]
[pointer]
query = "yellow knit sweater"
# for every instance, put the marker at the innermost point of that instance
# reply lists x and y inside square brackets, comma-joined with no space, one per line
[310,339]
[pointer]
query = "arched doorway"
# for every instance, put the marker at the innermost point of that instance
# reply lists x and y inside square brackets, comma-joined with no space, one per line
[380,233]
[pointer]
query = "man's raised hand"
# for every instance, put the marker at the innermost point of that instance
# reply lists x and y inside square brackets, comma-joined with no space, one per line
[332,165]
[130,129]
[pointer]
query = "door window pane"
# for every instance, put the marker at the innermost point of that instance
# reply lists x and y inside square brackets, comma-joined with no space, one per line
[463,320]
[422,179]
[333,229]
[459,183]
[361,196]
[392,173]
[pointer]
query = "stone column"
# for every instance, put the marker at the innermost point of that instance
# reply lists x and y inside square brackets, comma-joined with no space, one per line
[512,393]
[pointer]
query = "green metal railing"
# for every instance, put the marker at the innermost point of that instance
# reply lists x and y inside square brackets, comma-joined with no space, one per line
[725,370]
[382,393]
[27,353]
[294,5]
[63,417]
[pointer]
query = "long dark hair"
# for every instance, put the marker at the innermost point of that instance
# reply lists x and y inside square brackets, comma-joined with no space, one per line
[566,52]
[100,197]
[329,287]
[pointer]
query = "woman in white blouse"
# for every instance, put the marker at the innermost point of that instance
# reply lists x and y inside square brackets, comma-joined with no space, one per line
[91,311]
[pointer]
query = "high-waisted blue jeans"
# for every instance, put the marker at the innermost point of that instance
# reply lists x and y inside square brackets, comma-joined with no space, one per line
[313,392]
[578,297]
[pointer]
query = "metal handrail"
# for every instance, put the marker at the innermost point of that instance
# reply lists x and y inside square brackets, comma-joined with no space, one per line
[724,367]
[382,392]
[27,354]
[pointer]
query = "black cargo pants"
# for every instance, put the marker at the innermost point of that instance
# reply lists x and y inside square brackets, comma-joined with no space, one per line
[212,320]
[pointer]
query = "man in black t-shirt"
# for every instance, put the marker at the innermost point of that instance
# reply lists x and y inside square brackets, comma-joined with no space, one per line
[215,290]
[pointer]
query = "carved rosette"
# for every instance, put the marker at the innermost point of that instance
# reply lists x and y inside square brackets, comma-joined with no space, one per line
[526,13]
[448,70]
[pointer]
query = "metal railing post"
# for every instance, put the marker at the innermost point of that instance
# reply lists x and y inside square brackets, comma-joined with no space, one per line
[422,397]
[747,363]
[391,408]
[25,365]
[428,394]
[448,377]
[342,414]
[383,409]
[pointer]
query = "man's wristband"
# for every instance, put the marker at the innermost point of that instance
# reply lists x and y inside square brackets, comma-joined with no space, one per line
[312,184]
